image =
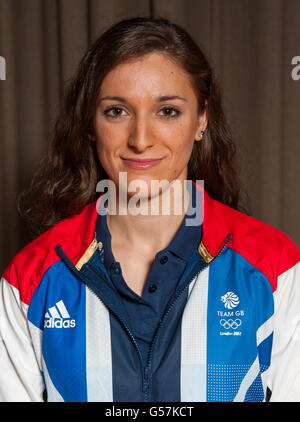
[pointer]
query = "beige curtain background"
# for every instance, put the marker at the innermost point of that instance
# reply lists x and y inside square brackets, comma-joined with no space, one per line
[250,43]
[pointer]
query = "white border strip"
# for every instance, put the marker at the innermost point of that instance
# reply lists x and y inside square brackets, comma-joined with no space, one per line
[98,350]
[193,377]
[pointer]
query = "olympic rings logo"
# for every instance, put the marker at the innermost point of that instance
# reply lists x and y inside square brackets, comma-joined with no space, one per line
[230,323]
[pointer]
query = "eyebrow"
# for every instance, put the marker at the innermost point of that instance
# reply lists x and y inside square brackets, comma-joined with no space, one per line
[158,99]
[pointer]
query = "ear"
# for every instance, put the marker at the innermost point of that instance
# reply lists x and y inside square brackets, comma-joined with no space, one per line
[202,124]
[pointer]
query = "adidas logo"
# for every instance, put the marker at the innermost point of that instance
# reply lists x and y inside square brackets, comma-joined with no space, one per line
[58,317]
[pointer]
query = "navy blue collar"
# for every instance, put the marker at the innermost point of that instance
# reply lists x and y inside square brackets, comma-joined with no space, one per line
[184,243]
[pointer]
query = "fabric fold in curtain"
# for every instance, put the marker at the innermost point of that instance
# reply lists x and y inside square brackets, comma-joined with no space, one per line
[250,44]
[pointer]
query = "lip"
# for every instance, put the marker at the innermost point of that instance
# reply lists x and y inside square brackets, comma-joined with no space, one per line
[138,163]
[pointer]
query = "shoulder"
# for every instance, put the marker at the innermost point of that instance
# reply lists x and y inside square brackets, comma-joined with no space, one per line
[27,268]
[267,248]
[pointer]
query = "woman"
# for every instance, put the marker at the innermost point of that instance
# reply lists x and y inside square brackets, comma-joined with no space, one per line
[112,302]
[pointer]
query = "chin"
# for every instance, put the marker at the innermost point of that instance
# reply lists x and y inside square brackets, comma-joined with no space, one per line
[140,188]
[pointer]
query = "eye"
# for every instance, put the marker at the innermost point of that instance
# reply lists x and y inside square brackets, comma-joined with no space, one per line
[170,112]
[114,112]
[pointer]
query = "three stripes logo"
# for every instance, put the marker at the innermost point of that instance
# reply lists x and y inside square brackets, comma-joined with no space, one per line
[58,317]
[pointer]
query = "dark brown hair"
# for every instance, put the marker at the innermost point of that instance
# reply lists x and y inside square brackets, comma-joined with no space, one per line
[66,180]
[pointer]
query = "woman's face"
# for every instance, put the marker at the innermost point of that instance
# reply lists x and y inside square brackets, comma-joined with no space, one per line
[147,110]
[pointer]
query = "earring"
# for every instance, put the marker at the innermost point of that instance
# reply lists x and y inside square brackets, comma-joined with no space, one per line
[201,133]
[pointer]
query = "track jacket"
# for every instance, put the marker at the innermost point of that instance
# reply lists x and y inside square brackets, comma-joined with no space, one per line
[231,332]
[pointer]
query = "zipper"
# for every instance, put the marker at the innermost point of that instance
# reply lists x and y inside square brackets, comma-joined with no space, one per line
[147,369]
[146,380]
[200,266]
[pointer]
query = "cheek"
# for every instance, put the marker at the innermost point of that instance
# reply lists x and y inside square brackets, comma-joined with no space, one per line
[180,135]
[181,144]
[108,136]
[104,152]
[105,135]
[108,141]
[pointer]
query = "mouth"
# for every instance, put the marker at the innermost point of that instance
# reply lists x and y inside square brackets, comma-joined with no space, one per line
[141,163]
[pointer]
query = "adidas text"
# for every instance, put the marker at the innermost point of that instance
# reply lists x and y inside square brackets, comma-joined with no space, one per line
[59,323]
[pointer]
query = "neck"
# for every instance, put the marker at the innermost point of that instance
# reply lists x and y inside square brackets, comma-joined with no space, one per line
[152,224]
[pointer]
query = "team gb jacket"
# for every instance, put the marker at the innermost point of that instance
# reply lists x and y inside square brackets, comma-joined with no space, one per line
[230,333]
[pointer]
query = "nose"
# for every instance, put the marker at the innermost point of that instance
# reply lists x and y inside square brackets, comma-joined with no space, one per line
[140,136]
